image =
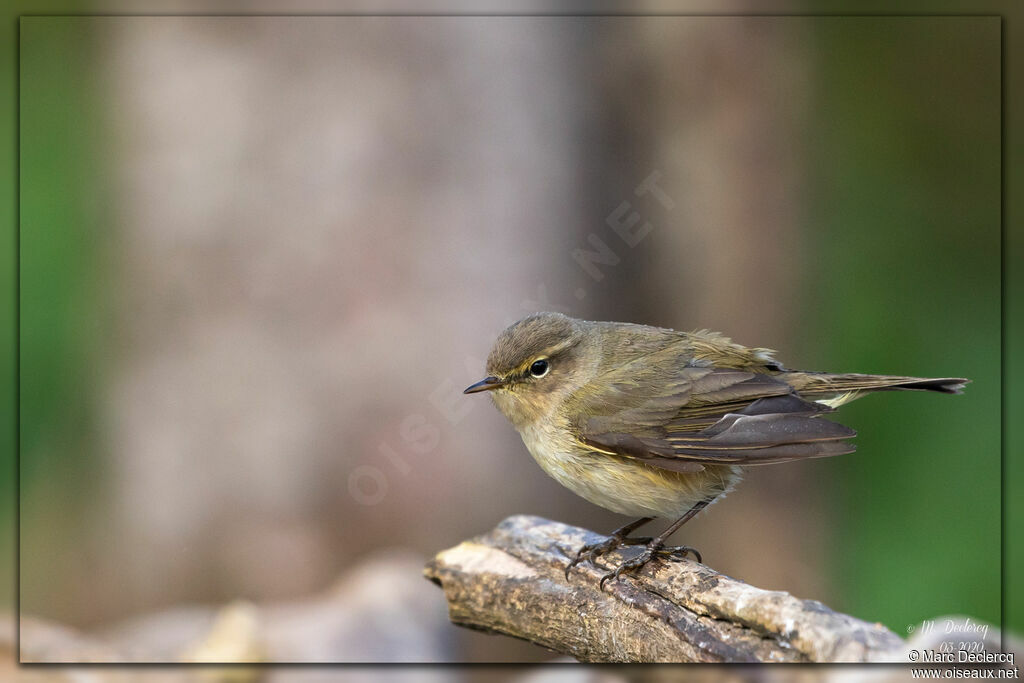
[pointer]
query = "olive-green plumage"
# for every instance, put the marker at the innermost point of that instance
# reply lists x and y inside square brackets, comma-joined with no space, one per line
[650,422]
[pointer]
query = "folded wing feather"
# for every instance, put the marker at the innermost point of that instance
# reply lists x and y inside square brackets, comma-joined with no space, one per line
[700,416]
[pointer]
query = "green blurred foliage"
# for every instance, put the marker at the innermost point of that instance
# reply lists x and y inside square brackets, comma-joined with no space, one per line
[8,340]
[63,233]
[906,238]
[1013,320]
[62,236]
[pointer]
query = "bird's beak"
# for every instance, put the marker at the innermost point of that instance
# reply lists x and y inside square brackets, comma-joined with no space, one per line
[486,384]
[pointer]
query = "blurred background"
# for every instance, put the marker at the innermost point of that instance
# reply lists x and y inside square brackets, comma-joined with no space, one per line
[261,257]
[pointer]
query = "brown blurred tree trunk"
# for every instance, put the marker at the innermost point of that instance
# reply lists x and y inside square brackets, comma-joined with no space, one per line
[713,105]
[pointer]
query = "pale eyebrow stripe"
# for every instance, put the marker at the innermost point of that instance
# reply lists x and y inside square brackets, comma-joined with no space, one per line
[553,351]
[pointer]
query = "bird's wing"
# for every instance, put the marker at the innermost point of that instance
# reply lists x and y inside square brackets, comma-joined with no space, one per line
[681,417]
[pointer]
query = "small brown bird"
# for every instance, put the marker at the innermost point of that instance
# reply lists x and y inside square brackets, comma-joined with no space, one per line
[651,422]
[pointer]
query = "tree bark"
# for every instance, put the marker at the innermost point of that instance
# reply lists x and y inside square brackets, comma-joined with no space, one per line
[512,581]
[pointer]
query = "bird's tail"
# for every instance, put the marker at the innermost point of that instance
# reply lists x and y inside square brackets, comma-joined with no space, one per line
[836,389]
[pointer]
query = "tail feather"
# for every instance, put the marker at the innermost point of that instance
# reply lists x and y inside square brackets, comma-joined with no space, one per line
[821,384]
[945,385]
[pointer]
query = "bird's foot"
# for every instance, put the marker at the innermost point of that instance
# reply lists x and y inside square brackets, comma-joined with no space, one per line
[592,551]
[679,552]
[673,553]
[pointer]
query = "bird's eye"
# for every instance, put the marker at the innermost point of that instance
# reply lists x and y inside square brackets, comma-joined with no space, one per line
[539,368]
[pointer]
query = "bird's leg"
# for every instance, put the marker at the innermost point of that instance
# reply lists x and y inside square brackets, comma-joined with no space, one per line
[657,546]
[616,539]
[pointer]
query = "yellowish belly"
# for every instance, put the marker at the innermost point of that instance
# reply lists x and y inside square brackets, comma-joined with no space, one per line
[625,485]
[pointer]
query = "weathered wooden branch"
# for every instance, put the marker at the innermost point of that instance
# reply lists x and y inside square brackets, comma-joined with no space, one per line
[511,580]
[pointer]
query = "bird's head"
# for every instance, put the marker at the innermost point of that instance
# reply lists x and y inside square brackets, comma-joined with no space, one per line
[534,364]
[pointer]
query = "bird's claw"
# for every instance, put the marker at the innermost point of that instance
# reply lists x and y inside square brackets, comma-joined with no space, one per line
[592,551]
[633,563]
[677,552]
